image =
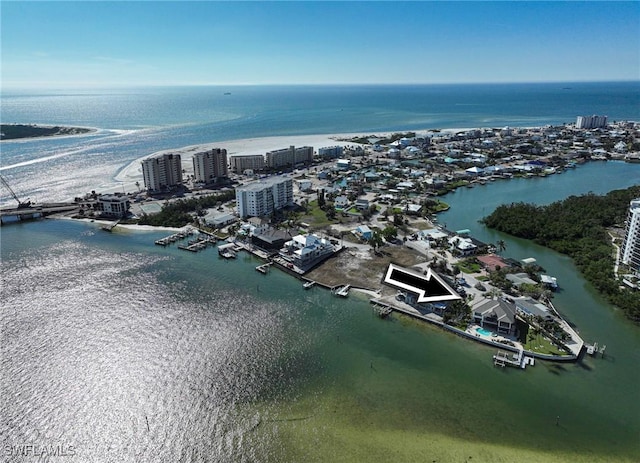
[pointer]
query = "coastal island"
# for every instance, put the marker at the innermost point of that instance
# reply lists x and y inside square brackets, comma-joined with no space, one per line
[18,131]
[366,207]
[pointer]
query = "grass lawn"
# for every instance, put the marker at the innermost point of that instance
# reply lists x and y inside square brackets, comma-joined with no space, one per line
[442,206]
[467,266]
[315,216]
[542,345]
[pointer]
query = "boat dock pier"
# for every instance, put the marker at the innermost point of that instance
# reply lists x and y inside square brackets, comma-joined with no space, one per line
[111,226]
[593,349]
[519,360]
[173,238]
[228,251]
[198,244]
[342,291]
[382,311]
[264,268]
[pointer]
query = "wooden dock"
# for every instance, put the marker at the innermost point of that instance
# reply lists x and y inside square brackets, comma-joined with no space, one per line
[264,268]
[593,349]
[111,226]
[342,291]
[227,251]
[382,311]
[519,360]
[173,238]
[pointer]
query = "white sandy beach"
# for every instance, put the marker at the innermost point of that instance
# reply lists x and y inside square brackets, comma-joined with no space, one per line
[132,173]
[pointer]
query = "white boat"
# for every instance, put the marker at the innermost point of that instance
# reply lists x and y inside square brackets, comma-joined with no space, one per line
[343,291]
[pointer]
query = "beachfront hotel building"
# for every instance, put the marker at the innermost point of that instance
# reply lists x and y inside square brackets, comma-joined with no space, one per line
[162,171]
[591,122]
[330,152]
[631,246]
[210,166]
[113,205]
[291,156]
[249,162]
[262,198]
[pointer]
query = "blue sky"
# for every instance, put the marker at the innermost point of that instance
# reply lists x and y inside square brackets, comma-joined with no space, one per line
[80,44]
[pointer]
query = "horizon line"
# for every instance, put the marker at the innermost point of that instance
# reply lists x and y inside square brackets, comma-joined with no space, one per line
[83,86]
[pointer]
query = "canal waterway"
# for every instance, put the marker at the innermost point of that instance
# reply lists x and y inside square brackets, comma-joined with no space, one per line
[134,352]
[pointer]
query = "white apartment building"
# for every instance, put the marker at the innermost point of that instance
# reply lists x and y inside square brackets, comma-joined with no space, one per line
[631,246]
[253,162]
[264,197]
[291,156]
[162,171]
[113,205]
[330,152]
[210,166]
[591,122]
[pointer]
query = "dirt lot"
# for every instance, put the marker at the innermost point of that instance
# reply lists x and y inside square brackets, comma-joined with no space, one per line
[361,267]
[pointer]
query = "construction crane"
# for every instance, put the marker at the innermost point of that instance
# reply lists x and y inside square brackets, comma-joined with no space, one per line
[21,204]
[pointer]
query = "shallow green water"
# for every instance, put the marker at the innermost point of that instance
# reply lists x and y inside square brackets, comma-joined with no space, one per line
[304,376]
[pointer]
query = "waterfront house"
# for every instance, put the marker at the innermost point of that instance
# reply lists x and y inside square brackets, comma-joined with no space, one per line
[464,246]
[305,251]
[474,171]
[519,279]
[259,225]
[492,262]
[270,239]
[527,306]
[219,220]
[496,314]
[413,209]
[432,234]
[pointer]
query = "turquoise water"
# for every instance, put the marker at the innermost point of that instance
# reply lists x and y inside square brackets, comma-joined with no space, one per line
[137,122]
[104,332]
[484,332]
[133,352]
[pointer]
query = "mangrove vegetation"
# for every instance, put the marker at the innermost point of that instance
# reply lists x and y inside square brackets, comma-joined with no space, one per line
[578,227]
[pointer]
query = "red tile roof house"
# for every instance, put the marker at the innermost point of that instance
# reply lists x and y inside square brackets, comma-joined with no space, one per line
[492,262]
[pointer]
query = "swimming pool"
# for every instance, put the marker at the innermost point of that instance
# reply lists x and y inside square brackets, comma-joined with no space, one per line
[483,332]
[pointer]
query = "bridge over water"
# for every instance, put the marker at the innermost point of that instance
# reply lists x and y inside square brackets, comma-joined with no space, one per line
[36,211]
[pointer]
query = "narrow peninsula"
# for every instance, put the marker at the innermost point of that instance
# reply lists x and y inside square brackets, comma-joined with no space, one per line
[18,131]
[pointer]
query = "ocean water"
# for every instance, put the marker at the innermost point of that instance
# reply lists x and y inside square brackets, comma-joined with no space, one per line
[133,123]
[125,351]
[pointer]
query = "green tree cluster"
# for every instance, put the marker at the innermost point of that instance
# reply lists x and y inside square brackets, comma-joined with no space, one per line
[178,213]
[577,227]
[458,313]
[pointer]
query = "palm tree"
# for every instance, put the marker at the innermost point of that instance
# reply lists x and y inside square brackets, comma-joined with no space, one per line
[501,245]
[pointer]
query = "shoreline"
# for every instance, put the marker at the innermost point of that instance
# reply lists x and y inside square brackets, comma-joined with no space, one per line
[132,172]
[63,131]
